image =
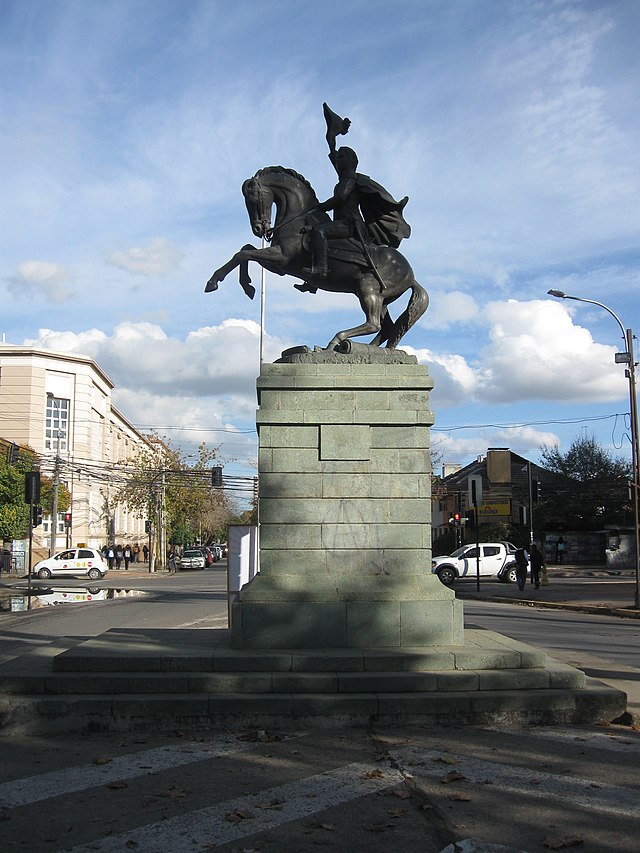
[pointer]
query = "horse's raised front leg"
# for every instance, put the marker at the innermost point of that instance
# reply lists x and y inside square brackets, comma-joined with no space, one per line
[271,256]
[223,271]
[372,304]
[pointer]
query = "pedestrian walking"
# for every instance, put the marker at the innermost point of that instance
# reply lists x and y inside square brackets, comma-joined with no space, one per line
[522,567]
[136,553]
[537,560]
[118,557]
[172,562]
[559,550]
[126,553]
[145,551]
[111,554]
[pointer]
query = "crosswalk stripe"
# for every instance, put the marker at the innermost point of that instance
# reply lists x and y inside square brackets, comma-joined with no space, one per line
[250,814]
[520,780]
[613,742]
[33,789]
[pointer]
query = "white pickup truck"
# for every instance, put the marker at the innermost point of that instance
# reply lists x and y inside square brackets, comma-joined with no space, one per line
[496,559]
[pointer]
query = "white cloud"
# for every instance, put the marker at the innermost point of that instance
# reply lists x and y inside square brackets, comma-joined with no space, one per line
[40,278]
[448,310]
[220,362]
[535,352]
[524,440]
[158,257]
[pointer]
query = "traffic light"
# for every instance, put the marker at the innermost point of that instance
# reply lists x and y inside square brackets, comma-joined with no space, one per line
[36,518]
[456,518]
[536,491]
[147,527]
[32,487]
[67,520]
[12,453]
[216,477]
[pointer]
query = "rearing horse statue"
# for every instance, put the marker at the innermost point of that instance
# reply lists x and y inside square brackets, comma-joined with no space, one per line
[376,275]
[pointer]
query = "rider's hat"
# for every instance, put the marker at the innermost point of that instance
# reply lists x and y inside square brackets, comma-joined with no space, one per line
[336,126]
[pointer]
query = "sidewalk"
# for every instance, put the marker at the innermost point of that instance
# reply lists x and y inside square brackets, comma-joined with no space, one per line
[589,589]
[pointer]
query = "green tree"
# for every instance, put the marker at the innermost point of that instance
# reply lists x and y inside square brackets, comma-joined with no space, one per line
[590,489]
[14,512]
[194,510]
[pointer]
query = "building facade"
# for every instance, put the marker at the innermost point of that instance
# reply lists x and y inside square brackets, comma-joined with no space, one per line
[59,404]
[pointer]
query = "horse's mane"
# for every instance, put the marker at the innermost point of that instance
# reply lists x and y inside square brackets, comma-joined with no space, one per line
[284,170]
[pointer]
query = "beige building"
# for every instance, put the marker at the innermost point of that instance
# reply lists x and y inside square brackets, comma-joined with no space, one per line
[60,405]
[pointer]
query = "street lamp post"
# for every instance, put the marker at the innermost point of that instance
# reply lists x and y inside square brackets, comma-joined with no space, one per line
[626,357]
[53,537]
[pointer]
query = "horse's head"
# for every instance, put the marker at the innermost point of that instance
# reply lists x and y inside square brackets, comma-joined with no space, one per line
[258,200]
[291,193]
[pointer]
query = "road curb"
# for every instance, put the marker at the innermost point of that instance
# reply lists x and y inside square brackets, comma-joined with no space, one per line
[626,612]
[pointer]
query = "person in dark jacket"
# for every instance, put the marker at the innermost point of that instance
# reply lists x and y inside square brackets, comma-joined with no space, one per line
[535,555]
[522,567]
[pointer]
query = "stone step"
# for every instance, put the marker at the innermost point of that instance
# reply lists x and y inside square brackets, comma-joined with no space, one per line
[554,676]
[118,651]
[594,703]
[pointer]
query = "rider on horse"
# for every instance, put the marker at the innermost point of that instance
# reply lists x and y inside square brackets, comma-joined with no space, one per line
[361,207]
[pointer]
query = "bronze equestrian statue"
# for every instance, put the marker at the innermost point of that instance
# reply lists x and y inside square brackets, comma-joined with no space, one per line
[356,252]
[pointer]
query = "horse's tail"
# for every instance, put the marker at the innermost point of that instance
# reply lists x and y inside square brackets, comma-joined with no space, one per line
[418,304]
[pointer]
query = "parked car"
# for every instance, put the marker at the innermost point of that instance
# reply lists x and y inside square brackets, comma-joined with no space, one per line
[209,557]
[496,559]
[73,563]
[193,558]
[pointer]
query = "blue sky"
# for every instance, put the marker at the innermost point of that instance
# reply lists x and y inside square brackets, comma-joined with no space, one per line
[128,126]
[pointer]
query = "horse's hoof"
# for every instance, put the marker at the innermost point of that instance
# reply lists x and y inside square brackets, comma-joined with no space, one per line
[212,284]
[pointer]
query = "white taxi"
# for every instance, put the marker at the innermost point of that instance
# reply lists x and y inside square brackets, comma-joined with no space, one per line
[73,562]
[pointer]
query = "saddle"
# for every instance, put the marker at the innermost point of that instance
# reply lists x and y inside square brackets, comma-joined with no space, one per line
[348,249]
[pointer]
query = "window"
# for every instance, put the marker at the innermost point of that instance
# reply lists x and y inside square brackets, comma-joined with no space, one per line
[491,550]
[56,424]
[66,555]
[46,524]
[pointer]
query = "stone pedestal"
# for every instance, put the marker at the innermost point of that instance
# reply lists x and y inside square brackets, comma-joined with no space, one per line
[345,510]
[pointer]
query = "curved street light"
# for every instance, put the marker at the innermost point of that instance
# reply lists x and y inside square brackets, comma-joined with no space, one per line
[627,358]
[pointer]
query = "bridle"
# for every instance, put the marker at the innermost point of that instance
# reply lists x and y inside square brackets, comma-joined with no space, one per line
[263,208]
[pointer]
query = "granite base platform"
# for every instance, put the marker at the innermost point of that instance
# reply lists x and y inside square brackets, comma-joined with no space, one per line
[131,679]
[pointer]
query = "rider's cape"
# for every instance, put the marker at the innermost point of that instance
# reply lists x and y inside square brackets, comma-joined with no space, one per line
[383,215]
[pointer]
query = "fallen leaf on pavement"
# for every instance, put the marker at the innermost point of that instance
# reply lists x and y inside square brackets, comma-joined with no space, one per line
[379,827]
[453,776]
[274,804]
[102,760]
[402,793]
[374,774]
[236,817]
[461,798]
[397,813]
[555,842]
[446,759]
[117,785]
[174,793]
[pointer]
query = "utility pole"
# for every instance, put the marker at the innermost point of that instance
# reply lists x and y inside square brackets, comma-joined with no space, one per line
[54,503]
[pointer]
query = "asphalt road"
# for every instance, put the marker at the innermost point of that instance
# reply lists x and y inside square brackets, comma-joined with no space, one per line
[366,791]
